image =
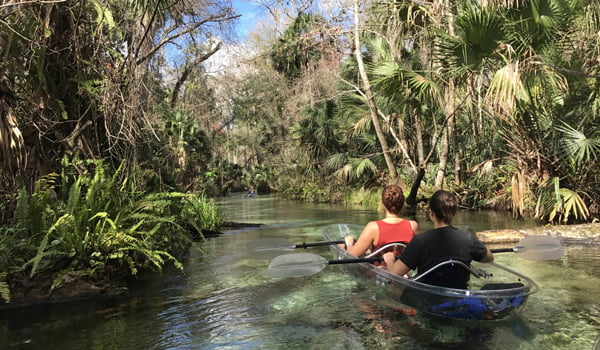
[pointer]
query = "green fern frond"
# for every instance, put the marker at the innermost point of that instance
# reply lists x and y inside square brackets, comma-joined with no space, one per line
[74,199]
[60,278]
[4,290]
[35,261]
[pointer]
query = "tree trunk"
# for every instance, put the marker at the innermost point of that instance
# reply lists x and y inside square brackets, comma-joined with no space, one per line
[411,200]
[449,110]
[369,95]
[444,153]
[188,70]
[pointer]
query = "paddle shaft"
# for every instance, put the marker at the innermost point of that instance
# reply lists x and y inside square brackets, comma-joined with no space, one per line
[357,260]
[318,244]
[306,245]
[503,250]
[380,259]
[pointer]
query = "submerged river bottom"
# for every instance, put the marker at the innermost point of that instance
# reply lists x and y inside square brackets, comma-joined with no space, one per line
[226,300]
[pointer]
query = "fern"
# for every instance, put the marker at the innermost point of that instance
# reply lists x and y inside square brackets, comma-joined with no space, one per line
[41,253]
[74,199]
[4,290]
[94,223]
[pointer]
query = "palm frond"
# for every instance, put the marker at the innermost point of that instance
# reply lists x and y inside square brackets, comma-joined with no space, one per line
[558,204]
[506,89]
[364,166]
[337,161]
[345,173]
[577,146]
[479,32]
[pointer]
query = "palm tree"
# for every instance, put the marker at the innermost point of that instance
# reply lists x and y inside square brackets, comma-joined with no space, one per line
[317,132]
[512,52]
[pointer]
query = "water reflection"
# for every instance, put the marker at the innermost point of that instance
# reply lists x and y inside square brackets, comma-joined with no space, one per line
[225,300]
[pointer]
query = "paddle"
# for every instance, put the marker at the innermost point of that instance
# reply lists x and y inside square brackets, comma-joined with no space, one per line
[268,248]
[536,248]
[304,264]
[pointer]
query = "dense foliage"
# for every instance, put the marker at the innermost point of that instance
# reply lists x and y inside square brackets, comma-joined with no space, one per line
[496,100]
[85,222]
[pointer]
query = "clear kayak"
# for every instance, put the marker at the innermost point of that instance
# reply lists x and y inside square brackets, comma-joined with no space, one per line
[494,292]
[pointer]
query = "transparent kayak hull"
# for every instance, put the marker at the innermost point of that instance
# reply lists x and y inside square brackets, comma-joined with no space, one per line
[494,293]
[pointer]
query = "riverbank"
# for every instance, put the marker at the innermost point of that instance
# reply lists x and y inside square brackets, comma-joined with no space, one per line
[584,234]
[76,285]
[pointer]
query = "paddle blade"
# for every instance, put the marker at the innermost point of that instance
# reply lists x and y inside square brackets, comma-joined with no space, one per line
[539,248]
[268,248]
[296,265]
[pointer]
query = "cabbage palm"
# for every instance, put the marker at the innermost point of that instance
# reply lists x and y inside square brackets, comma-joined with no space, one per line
[316,133]
[296,48]
[513,52]
[366,90]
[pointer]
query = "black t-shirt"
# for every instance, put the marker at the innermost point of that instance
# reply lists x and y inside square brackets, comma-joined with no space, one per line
[434,246]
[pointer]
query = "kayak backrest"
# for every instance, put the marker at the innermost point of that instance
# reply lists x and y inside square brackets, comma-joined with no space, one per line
[450,274]
[396,247]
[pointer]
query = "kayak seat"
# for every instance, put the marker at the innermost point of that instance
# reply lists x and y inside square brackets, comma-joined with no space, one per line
[450,274]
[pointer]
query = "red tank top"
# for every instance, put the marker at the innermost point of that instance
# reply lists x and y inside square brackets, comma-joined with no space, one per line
[397,232]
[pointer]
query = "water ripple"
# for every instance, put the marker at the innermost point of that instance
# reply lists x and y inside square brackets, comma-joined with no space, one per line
[199,321]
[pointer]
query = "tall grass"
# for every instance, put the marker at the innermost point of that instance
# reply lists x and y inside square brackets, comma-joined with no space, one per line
[370,198]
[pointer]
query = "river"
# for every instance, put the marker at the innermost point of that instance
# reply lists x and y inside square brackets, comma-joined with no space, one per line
[225,299]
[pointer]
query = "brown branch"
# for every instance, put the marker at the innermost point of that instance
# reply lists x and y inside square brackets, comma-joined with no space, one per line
[11,4]
[169,39]
[188,70]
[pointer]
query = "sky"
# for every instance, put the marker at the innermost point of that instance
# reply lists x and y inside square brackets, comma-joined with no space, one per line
[227,58]
[250,13]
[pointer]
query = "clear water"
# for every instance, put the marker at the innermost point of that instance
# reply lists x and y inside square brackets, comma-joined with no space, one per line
[225,300]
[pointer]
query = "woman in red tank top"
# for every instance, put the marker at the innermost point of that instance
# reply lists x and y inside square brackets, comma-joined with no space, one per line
[392,228]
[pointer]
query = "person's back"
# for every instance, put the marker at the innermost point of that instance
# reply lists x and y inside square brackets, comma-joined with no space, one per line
[442,244]
[401,231]
[392,228]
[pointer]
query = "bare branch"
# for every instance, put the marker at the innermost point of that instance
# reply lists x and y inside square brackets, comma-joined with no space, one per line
[171,38]
[188,69]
